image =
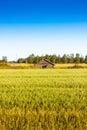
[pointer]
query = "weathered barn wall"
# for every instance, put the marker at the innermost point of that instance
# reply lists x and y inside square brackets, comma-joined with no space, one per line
[45,64]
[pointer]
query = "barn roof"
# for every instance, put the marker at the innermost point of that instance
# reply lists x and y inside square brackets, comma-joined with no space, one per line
[49,61]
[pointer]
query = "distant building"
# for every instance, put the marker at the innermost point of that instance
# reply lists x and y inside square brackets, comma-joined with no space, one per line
[45,64]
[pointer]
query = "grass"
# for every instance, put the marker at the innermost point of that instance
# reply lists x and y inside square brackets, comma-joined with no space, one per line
[38,99]
[31,66]
[70,66]
[16,66]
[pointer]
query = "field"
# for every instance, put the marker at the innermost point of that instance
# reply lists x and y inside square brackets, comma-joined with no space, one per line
[32,66]
[43,99]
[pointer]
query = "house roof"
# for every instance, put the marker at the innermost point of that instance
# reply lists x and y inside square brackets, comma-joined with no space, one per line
[49,61]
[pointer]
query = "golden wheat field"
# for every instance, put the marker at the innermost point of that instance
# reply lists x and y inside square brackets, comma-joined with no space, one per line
[43,99]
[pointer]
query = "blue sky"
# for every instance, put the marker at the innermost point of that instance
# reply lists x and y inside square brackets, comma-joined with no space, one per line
[42,27]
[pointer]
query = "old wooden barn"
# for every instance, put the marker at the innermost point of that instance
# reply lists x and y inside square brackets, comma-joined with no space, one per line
[45,64]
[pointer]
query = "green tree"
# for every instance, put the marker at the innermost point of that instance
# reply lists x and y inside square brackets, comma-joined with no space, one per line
[53,58]
[36,59]
[58,59]
[81,59]
[64,58]
[30,59]
[71,58]
[48,57]
[85,59]
[21,60]
[77,58]
[4,59]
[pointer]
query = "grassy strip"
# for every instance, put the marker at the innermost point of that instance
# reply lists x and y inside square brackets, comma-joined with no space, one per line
[31,66]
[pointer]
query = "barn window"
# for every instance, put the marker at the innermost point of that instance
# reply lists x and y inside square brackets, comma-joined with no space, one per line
[44,66]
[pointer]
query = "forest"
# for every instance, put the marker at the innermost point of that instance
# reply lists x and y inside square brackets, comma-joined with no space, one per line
[57,59]
[66,58]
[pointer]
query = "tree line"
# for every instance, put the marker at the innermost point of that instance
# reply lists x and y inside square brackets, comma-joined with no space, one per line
[66,58]
[4,59]
[32,59]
